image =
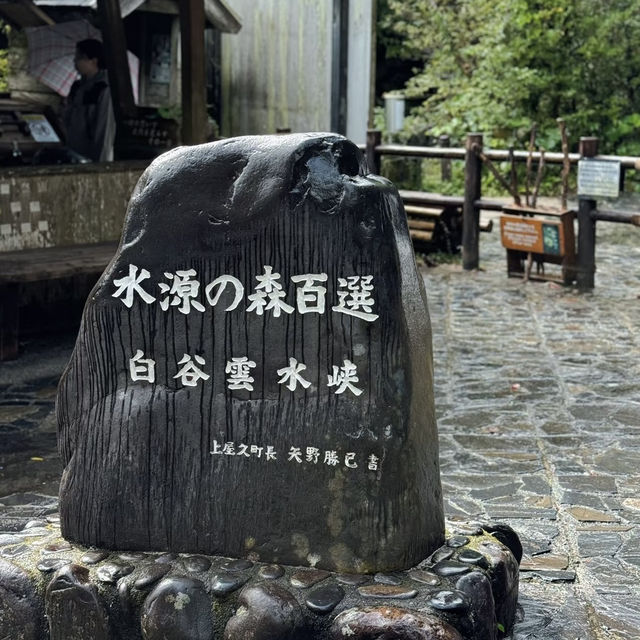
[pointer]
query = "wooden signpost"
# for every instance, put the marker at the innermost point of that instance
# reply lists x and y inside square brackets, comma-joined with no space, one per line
[543,236]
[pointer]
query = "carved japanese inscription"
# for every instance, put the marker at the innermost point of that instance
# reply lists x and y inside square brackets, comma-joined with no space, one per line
[253,372]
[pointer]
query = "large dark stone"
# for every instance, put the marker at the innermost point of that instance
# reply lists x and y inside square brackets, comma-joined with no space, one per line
[21,609]
[215,455]
[477,587]
[504,571]
[73,606]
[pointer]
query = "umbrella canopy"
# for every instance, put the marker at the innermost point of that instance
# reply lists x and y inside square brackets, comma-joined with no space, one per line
[51,52]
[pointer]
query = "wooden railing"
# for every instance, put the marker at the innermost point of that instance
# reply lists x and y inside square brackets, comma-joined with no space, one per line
[475,157]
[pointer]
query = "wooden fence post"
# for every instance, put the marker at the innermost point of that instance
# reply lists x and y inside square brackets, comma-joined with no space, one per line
[374,138]
[472,191]
[445,163]
[586,266]
[194,90]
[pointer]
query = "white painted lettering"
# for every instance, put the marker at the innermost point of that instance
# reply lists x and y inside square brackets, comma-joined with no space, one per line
[183,289]
[312,454]
[131,284]
[331,458]
[310,298]
[221,282]
[343,377]
[291,375]
[349,461]
[354,297]
[239,377]
[268,288]
[190,373]
[141,368]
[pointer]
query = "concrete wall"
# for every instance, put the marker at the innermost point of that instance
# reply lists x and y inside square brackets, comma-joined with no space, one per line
[66,205]
[277,70]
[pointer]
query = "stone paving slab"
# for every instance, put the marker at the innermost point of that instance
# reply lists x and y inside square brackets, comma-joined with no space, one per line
[538,399]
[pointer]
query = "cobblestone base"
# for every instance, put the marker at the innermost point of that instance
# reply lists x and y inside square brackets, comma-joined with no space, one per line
[50,589]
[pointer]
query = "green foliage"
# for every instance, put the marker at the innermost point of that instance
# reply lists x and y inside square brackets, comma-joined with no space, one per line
[497,66]
[4,59]
[171,112]
[4,70]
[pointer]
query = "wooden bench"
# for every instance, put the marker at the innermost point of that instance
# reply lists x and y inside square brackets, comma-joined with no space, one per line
[18,269]
[432,227]
[435,227]
[422,222]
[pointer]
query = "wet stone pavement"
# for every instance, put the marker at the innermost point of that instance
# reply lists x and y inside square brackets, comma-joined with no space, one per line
[538,397]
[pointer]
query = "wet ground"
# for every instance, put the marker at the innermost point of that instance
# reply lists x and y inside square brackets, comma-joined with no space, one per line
[538,398]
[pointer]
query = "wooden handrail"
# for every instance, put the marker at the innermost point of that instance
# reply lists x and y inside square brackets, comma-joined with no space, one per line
[497,155]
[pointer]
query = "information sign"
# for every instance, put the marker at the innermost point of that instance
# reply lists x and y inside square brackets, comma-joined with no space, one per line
[532,235]
[40,128]
[598,178]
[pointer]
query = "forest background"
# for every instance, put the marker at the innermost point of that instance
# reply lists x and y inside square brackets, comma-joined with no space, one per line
[497,66]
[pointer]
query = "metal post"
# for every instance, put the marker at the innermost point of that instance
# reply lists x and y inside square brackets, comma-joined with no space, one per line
[374,138]
[470,213]
[445,163]
[586,266]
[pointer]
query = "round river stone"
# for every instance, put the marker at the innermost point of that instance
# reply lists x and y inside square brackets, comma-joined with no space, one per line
[111,572]
[267,611]
[225,582]
[469,556]
[457,541]
[150,574]
[237,565]
[93,557]
[425,577]
[306,578]
[449,600]
[197,563]
[324,598]
[450,568]
[271,571]
[387,591]
[351,578]
[387,578]
[47,565]
[178,608]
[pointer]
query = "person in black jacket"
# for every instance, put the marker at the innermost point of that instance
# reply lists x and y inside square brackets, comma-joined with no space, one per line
[88,116]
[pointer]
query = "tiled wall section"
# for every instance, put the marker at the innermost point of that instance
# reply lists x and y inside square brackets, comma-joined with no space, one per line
[59,206]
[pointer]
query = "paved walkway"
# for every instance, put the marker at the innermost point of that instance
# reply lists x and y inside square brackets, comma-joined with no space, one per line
[538,397]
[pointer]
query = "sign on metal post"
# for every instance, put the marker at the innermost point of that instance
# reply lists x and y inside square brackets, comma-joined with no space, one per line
[598,178]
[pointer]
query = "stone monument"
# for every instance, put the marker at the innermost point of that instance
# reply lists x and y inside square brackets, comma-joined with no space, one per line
[253,374]
[247,423]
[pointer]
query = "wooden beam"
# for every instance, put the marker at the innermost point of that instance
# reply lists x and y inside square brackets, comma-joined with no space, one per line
[37,11]
[221,17]
[194,101]
[115,49]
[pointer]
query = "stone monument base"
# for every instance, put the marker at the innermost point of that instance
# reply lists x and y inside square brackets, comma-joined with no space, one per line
[49,589]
